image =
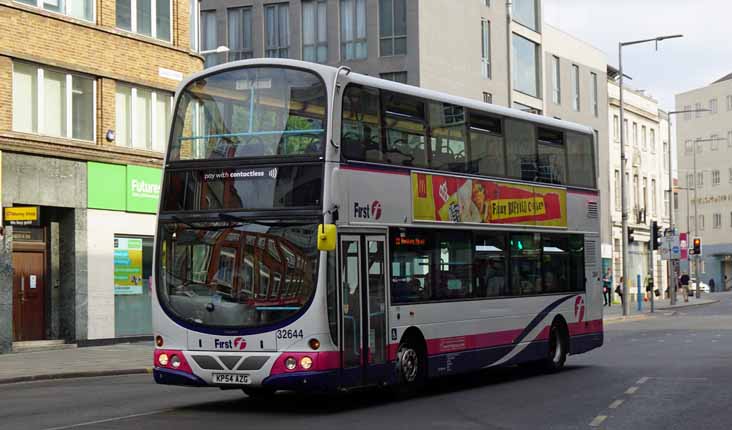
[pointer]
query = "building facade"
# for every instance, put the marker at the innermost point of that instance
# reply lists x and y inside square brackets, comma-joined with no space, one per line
[85,100]
[646,174]
[703,201]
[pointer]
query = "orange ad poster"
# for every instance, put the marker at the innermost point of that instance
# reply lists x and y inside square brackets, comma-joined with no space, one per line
[452,199]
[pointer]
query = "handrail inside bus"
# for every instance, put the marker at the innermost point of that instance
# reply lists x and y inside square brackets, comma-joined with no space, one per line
[253,133]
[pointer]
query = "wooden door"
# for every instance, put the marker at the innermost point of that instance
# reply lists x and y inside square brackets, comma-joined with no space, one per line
[29,285]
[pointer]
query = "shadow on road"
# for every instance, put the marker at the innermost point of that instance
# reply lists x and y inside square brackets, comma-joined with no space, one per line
[318,404]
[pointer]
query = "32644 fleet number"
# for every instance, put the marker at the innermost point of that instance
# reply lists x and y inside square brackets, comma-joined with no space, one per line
[289,334]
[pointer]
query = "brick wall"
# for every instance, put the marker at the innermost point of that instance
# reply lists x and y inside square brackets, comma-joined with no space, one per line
[98,49]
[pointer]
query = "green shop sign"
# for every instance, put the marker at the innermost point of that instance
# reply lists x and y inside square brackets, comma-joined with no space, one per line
[123,188]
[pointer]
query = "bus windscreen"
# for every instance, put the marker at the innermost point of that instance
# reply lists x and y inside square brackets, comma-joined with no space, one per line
[250,112]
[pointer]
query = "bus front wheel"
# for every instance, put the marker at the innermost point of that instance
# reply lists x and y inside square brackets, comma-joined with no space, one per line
[411,364]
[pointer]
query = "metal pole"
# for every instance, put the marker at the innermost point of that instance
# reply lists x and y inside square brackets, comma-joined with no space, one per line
[672,278]
[650,270]
[696,227]
[623,188]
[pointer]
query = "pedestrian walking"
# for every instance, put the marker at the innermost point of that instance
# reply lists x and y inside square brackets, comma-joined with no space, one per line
[711,285]
[619,290]
[607,289]
[684,281]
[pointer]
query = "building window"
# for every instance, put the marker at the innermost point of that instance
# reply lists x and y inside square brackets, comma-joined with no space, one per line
[687,115]
[636,192]
[487,97]
[81,9]
[240,33]
[635,134]
[715,177]
[132,270]
[653,141]
[714,142]
[698,112]
[644,138]
[730,175]
[315,31]
[487,3]
[666,203]
[618,203]
[593,95]
[193,13]
[665,155]
[575,87]
[53,102]
[625,127]
[142,117]
[526,69]
[729,139]
[485,52]
[690,180]
[616,128]
[145,17]
[699,146]
[645,194]
[713,105]
[208,37]
[688,147]
[400,77]
[277,30]
[392,27]
[653,197]
[701,222]
[353,30]
[729,103]
[700,179]
[556,81]
[524,12]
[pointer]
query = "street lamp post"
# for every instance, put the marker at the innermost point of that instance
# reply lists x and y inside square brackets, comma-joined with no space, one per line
[672,269]
[623,159]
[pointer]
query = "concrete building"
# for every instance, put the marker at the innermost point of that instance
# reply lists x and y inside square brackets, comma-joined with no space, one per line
[647,152]
[85,98]
[704,153]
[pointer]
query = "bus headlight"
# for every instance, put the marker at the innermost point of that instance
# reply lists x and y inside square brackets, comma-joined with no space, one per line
[306,362]
[175,361]
[290,363]
[163,359]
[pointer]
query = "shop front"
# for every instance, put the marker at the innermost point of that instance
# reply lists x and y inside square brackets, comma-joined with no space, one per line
[123,200]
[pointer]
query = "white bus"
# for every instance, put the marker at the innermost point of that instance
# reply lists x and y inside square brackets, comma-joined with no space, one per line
[324,230]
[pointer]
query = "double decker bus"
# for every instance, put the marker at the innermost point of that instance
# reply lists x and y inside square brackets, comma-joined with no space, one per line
[325,230]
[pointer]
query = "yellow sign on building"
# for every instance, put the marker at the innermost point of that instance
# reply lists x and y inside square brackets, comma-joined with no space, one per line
[25,215]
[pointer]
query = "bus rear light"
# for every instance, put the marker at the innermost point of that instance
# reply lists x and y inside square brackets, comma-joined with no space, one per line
[171,359]
[159,341]
[290,363]
[314,344]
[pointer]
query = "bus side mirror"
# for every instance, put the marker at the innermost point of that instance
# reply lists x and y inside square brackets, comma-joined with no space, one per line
[327,237]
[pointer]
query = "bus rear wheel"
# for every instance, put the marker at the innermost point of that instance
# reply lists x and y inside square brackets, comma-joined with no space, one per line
[557,353]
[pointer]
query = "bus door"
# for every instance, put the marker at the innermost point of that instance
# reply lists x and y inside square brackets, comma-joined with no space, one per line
[363,300]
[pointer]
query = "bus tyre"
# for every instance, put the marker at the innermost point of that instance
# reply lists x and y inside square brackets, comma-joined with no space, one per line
[256,393]
[411,366]
[557,354]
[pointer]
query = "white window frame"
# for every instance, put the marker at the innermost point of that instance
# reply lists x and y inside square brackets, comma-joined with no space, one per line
[715,177]
[729,103]
[153,116]
[594,95]
[485,54]
[713,105]
[316,29]
[153,21]
[69,76]
[575,78]
[616,128]
[556,80]
[652,140]
[39,5]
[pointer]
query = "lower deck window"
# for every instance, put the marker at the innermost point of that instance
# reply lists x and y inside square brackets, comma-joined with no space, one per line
[436,265]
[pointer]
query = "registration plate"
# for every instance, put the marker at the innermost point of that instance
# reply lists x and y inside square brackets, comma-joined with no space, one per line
[231,378]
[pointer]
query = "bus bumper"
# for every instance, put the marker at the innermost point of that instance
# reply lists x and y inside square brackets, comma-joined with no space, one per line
[319,381]
[177,377]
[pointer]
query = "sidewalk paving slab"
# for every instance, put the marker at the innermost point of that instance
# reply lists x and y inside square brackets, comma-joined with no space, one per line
[118,359]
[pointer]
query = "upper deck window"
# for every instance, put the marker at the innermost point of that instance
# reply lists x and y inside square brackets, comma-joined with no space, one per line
[250,112]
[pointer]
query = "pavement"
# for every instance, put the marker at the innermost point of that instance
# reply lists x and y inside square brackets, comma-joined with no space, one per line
[669,372]
[119,359]
[614,313]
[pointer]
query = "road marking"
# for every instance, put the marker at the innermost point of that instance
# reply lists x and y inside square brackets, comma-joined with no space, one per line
[631,390]
[616,404]
[643,380]
[598,420]
[108,420]
[661,340]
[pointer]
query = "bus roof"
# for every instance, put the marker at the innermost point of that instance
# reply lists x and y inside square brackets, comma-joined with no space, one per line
[328,72]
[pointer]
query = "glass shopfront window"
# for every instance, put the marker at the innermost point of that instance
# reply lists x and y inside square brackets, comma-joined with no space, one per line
[132,272]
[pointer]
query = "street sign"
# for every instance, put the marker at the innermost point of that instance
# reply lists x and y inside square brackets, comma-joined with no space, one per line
[670,248]
[684,244]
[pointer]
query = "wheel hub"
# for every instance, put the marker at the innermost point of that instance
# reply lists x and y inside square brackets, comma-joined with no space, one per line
[409,364]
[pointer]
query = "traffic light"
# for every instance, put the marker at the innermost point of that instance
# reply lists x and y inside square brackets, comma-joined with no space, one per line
[696,246]
[656,235]
[631,237]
